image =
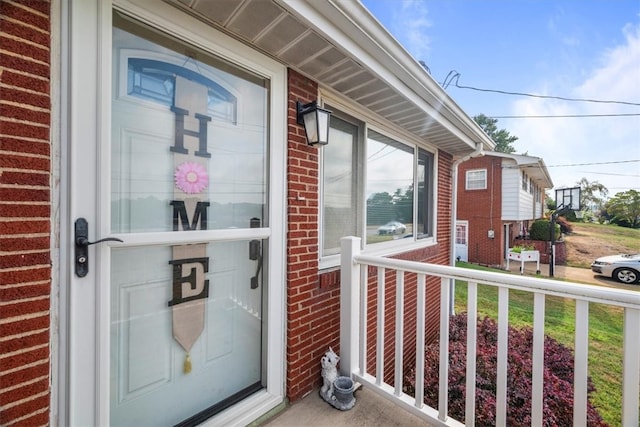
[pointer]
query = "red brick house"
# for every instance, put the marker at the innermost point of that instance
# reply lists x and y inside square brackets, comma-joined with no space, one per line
[499,195]
[169,246]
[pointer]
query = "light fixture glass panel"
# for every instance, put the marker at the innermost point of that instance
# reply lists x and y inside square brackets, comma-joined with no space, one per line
[311,127]
[323,126]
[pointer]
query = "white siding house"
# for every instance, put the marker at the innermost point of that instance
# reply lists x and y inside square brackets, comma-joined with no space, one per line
[524,179]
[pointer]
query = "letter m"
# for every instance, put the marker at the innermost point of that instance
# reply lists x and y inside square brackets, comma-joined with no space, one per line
[180,216]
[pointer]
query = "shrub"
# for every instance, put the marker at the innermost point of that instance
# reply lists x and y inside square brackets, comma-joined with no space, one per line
[558,377]
[540,230]
[565,225]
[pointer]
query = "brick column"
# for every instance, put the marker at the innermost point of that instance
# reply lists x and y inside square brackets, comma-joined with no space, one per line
[25,212]
[313,304]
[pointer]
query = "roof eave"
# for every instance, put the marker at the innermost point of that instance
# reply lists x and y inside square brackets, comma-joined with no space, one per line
[349,24]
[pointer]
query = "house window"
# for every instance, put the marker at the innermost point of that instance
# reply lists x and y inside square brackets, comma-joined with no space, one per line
[425,178]
[524,181]
[339,181]
[389,192]
[383,208]
[476,179]
[531,186]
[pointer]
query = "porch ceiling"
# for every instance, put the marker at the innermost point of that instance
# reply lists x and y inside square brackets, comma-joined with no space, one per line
[343,47]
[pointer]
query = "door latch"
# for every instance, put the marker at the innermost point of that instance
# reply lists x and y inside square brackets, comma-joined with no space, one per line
[81,239]
[255,253]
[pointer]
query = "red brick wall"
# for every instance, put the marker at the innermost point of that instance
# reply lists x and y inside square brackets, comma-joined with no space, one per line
[483,210]
[312,309]
[25,211]
[313,305]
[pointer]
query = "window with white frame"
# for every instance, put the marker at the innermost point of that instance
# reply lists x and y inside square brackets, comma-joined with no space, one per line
[340,184]
[476,179]
[524,181]
[369,182]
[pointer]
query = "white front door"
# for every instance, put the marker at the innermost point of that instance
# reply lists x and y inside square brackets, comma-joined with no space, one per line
[172,152]
[462,241]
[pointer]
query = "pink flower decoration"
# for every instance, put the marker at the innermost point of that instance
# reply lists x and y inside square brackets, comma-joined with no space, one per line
[191,177]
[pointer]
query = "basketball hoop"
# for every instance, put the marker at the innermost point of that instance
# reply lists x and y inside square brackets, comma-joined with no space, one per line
[567,199]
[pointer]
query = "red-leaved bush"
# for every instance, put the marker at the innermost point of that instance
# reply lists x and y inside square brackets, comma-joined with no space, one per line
[558,376]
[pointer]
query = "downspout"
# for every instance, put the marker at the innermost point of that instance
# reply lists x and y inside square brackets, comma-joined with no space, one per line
[454,208]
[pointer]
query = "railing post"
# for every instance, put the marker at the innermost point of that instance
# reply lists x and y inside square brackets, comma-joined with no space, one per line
[631,367]
[349,306]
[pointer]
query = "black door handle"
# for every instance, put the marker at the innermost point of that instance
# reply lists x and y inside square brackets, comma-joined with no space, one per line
[81,239]
[255,253]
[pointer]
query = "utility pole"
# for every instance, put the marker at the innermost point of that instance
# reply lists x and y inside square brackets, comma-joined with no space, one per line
[552,256]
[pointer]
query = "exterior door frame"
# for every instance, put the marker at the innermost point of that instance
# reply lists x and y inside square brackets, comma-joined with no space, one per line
[506,241]
[464,223]
[85,98]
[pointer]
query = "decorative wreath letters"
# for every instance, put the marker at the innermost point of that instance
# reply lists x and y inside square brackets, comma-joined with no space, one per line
[190,263]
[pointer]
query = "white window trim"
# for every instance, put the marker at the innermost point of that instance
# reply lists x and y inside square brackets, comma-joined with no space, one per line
[380,125]
[466,181]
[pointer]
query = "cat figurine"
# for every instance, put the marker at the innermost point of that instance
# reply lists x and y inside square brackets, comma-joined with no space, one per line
[329,363]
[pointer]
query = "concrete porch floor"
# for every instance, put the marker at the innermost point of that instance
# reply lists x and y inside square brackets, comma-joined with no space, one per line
[370,410]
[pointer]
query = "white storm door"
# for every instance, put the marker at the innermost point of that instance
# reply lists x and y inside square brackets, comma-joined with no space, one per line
[462,241]
[174,158]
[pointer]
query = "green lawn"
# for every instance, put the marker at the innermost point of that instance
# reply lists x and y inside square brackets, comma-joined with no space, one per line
[605,336]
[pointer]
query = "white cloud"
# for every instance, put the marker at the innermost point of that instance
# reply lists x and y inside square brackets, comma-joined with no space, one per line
[613,75]
[410,22]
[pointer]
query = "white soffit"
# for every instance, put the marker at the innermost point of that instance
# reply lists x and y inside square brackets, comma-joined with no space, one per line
[342,46]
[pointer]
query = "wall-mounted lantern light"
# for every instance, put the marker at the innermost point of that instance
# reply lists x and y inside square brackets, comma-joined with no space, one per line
[315,121]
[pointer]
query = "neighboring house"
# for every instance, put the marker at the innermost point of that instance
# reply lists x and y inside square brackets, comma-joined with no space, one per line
[171,127]
[499,195]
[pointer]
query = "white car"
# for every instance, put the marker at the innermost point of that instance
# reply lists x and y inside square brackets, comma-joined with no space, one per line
[624,268]
[392,227]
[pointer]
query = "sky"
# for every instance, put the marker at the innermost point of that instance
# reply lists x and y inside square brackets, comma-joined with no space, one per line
[588,49]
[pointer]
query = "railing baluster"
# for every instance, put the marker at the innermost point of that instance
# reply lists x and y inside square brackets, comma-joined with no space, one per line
[503,346]
[399,331]
[354,267]
[443,386]
[472,323]
[364,311]
[380,328]
[420,323]
[580,370]
[537,369]
[631,367]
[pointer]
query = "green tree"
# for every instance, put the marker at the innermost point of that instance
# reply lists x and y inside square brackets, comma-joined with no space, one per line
[501,137]
[380,208]
[625,208]
[549,202]
[592,194]
[404,205]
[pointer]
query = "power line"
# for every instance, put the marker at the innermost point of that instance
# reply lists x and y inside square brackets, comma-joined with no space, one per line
[592,164]
[564,116]
[611,174]
[454,75]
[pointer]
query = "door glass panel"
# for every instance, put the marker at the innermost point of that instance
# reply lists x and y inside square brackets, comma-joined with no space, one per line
[188,153]
[221,325]
[184,124]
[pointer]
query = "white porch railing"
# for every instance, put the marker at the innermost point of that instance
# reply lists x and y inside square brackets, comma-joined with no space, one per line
[354,346]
